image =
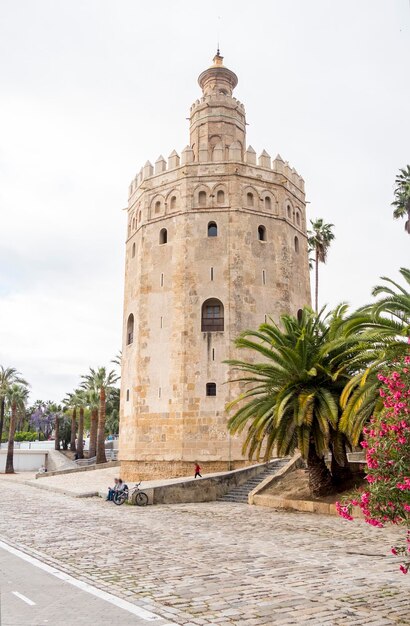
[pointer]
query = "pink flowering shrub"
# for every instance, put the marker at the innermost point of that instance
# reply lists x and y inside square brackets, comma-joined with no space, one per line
[387,444]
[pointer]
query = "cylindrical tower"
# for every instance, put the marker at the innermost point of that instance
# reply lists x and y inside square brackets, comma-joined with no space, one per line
[216,243]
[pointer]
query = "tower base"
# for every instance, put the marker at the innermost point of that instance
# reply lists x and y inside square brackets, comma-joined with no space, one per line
[152,470]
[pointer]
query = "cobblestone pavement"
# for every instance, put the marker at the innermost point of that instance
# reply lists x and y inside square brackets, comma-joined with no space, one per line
[215,563]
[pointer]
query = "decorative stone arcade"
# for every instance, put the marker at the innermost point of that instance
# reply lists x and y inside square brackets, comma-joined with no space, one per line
[216,243]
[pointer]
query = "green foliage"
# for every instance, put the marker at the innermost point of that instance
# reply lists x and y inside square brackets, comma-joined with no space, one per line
[402,197]
[26,436]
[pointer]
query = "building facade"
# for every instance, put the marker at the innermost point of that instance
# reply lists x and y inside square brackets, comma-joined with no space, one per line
[216,243]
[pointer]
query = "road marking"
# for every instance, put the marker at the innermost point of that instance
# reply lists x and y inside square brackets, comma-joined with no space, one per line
[103,595]
[24,598]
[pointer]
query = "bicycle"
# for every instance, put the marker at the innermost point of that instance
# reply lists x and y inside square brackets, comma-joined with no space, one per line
[139,497]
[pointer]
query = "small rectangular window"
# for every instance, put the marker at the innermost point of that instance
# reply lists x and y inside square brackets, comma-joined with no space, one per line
[128,394]
[263,277]
[162,280]
[212,273]
[213,354]
[159,392]
[161,321]
[266,319]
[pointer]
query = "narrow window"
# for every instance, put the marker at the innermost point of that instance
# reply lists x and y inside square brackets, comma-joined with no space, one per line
[261,233]
[202,198]
[213,354]
[220,197]
[289,212]
[159,392]
[212,273]
[163,236]
[133,223]
[268,203]
[173,203]
[299,315]
[133,250]
[212,318]
[128,395]
[298,218]
[296,244]
[212,229]
[162,280]
[139,216]
[249,199]
[210,389]
[130,329]
[263,277]
[266,319]
[157,206]
[161,321]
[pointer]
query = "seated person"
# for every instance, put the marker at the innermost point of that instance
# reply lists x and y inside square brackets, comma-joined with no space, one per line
[112,490]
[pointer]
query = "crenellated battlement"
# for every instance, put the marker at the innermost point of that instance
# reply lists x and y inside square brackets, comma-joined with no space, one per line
[218,100]
[234,155]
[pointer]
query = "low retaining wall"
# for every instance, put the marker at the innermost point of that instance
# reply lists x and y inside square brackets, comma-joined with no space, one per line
[24,460]
[74,470]
[203,489]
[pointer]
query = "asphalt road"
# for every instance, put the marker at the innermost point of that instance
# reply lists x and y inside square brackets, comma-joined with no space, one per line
[30,596]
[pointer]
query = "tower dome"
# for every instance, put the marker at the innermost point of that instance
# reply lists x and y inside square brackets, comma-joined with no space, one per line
[217,79]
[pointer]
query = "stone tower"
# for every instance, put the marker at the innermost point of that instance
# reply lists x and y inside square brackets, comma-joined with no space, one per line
[216,243]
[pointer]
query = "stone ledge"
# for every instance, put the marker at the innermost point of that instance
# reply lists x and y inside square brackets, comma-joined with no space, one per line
[74,470]
[305,506]
[295,462]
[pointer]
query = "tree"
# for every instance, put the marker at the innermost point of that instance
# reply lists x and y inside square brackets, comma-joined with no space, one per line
[319,239]
[8,376]
[43,418]
[292,395]
[93,402]
[16,397]
[71,403]
[80,400]
[102,381]
[402,197]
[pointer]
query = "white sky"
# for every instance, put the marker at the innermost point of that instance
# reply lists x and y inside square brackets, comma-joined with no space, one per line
[91,89]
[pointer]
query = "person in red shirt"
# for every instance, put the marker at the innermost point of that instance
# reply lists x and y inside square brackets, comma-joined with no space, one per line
[197,470]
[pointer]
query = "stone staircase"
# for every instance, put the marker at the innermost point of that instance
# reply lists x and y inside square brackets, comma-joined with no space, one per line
[240,493]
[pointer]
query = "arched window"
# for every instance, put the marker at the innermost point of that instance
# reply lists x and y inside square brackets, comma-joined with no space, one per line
[261,233]
[133,223]
[296,244]
[210,389]
[212,229]
[202,198]
[139,216]
[173,204]
[249,199]
[299,315]
[298,218]
[163,236]
[212,319]
[289,212]
[268,203]
[130,329]
[220,197]
[133,250]
[157,206]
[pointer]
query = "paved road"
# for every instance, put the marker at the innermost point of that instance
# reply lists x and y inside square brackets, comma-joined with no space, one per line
[31,596]
[217,564]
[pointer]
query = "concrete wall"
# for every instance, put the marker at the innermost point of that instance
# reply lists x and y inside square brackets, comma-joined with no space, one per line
[25,460]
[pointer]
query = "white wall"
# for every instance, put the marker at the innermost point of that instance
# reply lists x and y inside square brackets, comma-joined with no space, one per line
[24,460]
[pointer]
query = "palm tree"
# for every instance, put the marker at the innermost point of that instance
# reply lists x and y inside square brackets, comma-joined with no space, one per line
[70,403]
[80,399]
[102,381]
[292,399]
[8,376]
[402,197]
[16,397]
[93,402]
[319,239]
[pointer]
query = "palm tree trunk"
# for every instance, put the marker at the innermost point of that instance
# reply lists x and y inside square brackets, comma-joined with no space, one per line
[2,411]
[56,434]
[73,429]
[101,458]
[92,451]
[317,281]
[10,449]
[320,479]
[80,450]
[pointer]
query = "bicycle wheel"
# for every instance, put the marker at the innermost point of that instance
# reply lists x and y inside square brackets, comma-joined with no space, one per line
[120,498]
[141,499]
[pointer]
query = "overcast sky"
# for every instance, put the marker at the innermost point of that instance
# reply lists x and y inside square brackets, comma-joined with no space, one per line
[91,89]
